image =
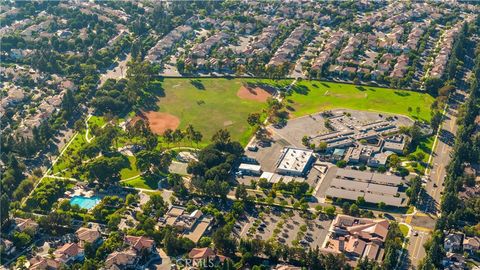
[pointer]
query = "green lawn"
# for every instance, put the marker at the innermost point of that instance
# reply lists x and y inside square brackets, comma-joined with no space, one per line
[404,229]
[313,96]
[211,104]
[425,146]
[63,164]
[142,182]
[132,171]
[99,121]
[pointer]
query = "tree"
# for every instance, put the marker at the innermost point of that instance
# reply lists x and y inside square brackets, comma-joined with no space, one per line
[197,137]
[322,146]
[139,75]
[354,210]
[155,206]
[21,239]
[446,90]
[394,161]
[223,241]
[146,159]
[305,140]
[222,136]
[106,170]
[178,135]
[436,120]
[253,119]
[168,136]
[381,205]
[79,125]
[68,104]
[360,201]
[21,263]
[4,208]
[341,163]
[330,210]
[190,133]
[432,85]
[414,190]
[241,192]
[151,141]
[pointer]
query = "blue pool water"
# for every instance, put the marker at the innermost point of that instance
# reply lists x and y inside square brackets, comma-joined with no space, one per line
[85,202]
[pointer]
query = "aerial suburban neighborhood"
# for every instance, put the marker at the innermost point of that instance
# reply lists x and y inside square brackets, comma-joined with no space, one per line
[260,135]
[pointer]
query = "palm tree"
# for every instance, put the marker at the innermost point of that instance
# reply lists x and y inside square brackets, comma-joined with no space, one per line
[178,135]
[190,133]
[168,136]
[197,137]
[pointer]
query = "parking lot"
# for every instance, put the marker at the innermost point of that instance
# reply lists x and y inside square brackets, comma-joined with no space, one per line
[287,227]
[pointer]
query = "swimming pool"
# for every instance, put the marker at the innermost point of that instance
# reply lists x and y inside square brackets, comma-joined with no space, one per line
[85,202]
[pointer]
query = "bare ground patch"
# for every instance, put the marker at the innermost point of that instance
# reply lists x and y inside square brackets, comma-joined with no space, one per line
[158,121]
[253,93]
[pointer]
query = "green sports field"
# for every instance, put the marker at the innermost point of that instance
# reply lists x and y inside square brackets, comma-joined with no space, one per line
[312,96]
[210,104]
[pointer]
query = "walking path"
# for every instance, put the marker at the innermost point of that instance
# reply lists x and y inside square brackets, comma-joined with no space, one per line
[87,132]
[47,173]
[279,98]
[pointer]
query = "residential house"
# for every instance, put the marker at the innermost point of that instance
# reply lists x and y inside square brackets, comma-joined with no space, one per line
[203,256]
[414,37]
[471,244]
[440,62]
[453,261]
[201,50]
[290,46]
[126,259]
[167,43]
[6,246]
[453,242]
[44,263]
[193,225]
[350,48]
[330,46]
[68,253]
[22,224]
[400,67]
[87,235]
[18,54]
[140,243]
[286,267]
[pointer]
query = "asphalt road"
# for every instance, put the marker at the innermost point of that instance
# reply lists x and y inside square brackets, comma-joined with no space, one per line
[434,186]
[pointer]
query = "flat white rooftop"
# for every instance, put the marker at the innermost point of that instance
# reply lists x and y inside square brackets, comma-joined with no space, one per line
[249,167]
[294,160]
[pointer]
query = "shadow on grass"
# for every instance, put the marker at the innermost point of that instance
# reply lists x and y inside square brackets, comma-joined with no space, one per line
[361,88]
[301,89]
[197,84]
[402,94]
[326,85]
